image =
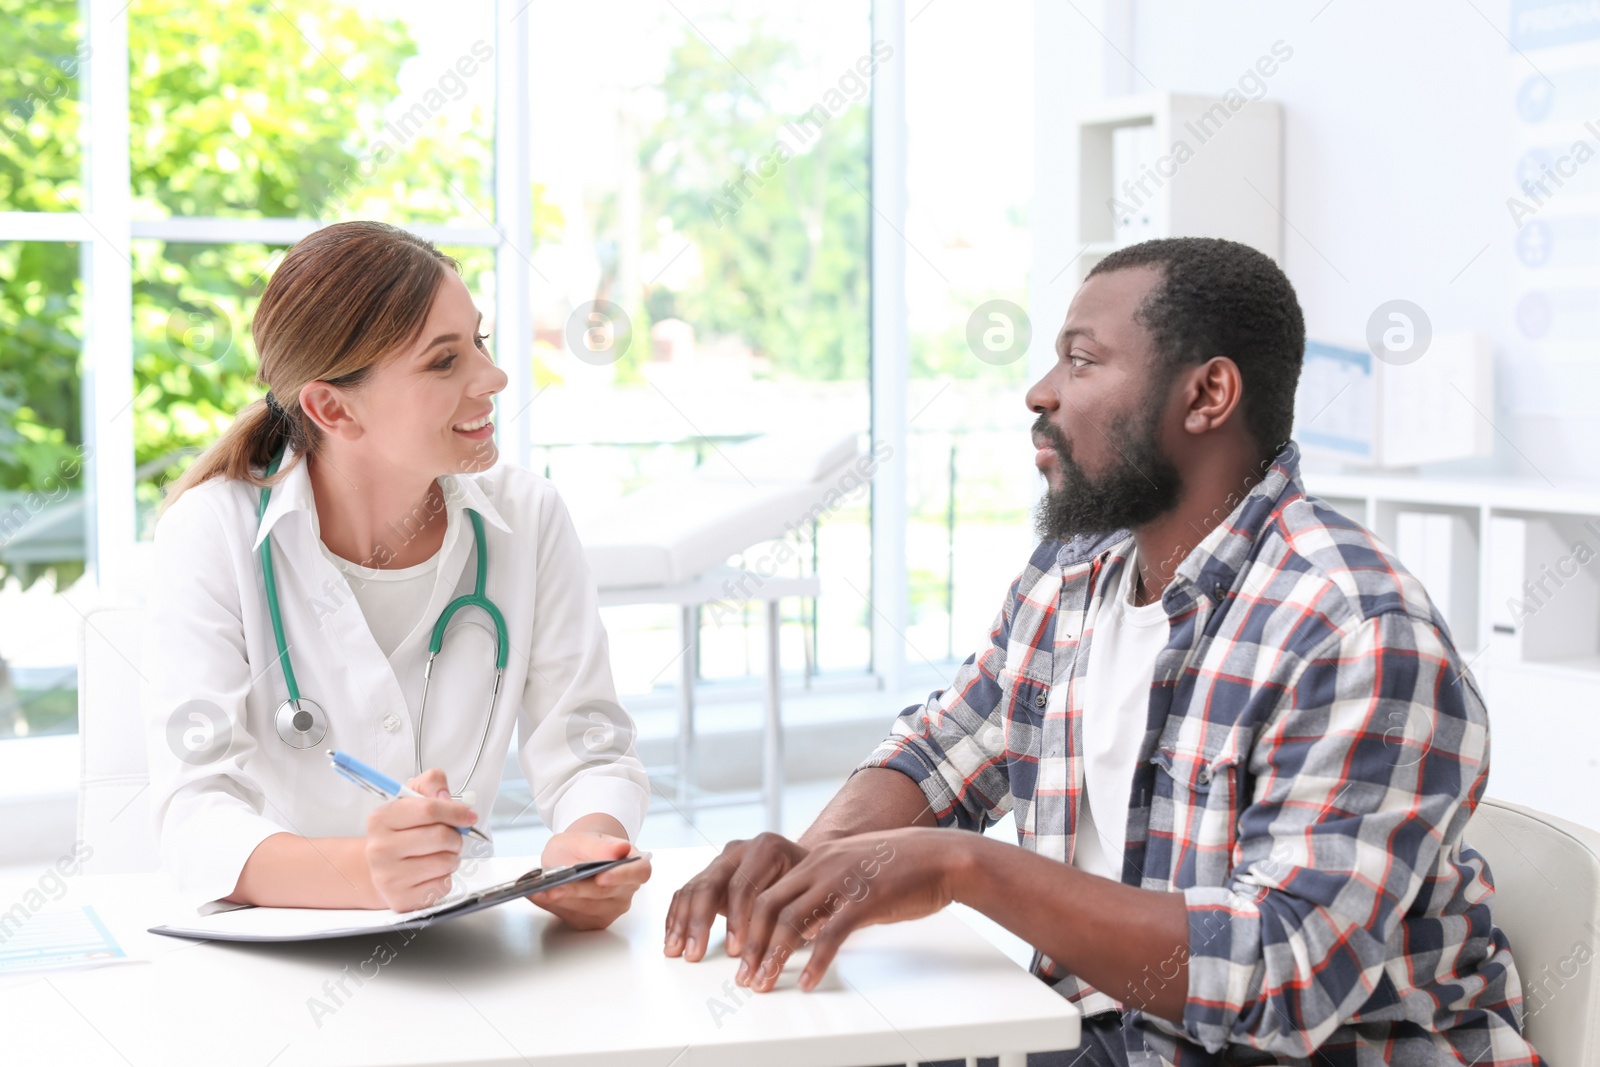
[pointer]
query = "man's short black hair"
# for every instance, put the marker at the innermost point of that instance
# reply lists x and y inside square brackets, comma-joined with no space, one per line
[1223,298]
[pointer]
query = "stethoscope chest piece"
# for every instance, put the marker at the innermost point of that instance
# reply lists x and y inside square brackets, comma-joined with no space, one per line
[301,723]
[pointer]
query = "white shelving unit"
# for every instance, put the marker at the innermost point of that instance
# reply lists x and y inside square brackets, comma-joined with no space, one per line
[1515,569]
[1217,171]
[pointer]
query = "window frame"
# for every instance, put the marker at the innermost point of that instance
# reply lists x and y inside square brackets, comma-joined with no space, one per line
[105,230]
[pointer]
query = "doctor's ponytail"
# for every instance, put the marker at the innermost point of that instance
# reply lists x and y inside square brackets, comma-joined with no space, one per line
[343,300]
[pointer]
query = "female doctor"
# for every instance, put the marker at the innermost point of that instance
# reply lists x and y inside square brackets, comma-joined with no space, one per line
[306,569]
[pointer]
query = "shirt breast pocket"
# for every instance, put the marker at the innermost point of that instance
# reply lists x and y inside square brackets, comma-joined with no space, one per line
[1022,703]
[1202,795]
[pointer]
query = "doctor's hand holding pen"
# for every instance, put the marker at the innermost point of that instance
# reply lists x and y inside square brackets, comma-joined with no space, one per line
[413,844]
[594,903]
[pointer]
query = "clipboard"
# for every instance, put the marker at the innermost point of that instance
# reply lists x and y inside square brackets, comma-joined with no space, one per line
[251,923]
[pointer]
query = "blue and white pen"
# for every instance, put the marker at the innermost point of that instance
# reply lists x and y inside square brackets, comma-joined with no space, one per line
[375,781]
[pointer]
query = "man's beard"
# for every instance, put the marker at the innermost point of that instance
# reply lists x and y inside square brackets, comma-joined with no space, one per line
[1142,485]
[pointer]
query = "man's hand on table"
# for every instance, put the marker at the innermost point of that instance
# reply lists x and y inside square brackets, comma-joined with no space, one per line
[728,886]
[778,896]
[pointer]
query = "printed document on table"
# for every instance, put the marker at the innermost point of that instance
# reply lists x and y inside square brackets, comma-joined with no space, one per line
[58,939]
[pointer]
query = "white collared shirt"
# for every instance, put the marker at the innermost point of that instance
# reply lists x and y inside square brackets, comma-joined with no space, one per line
[223,780]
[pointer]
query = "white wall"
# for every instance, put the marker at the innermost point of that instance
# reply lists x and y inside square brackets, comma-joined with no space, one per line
[1401,144]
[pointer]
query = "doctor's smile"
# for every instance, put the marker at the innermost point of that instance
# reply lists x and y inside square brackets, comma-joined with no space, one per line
[479,429]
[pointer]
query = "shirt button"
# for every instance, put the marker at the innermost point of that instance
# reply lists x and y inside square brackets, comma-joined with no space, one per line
[1219,590]
[391,722]
[1039,701]
[1205,775]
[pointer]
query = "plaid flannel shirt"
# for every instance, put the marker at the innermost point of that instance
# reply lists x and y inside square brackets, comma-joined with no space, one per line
[1313,750]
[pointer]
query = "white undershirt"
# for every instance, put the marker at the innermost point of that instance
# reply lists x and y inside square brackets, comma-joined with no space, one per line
[392,601]
[1122,662]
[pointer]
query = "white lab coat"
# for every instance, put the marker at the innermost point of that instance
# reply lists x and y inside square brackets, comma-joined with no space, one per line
[210,639]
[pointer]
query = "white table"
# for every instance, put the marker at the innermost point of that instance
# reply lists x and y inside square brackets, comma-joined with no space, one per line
[511,987]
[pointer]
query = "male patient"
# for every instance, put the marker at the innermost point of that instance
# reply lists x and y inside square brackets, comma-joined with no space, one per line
[1238,742]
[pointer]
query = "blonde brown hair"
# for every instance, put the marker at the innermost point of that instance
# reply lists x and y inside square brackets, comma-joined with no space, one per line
[342,300]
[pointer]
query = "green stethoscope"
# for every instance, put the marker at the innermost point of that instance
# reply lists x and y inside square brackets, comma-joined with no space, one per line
[302,724]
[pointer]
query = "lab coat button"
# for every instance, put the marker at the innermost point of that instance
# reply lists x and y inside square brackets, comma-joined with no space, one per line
[391,722]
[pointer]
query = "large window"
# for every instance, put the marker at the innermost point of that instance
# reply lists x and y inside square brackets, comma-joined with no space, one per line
[246,127]
[42,503]
[700,171]
[969,178]
[41,65]
[315,111]
[701,195]
[43,507]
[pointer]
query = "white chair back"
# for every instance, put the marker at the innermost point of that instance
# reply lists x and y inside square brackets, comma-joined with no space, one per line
[1546,874]
[114,780]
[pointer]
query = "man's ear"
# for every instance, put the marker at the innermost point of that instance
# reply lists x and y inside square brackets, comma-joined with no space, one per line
[1214,390]
[328,406]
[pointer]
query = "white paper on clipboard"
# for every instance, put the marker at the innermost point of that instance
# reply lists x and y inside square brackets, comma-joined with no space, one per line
[311,924]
